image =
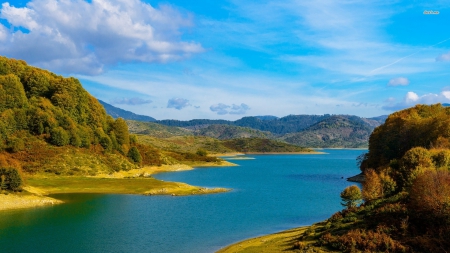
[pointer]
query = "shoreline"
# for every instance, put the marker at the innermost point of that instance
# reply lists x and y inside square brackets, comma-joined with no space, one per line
[275,242]
[136,181]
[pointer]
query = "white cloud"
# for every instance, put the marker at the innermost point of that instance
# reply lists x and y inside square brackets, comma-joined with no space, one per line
[178,103]
[399,81]
[82,37]
[222,109]
[443,57]
[3,32]
[412,99]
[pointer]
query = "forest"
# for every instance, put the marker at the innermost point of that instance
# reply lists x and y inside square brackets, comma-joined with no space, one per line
[404,205]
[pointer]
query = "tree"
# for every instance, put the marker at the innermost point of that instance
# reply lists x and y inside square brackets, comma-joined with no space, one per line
[59,137]
[351,196]
[134,155]
[430,195]
[372,187]
[412,163]
[10,179]
[201,152]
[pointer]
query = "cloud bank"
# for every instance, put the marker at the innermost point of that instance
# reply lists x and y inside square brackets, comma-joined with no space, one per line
[411,99]
[130,101]
[81,37]
[222,109]
[178,103]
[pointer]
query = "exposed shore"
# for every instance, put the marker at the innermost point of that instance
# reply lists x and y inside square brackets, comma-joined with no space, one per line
[14,201]
[136,181]
[277,242]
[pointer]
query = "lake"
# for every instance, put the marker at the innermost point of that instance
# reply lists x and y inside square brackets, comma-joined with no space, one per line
[270,193]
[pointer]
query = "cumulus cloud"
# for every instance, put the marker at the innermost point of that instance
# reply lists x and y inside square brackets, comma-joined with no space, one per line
[130,101]
[85,36]
[411,99]
[178,103]
[443,57]
[222,109]
[399,81]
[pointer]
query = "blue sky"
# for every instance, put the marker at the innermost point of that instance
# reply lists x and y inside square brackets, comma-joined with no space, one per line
[228,59]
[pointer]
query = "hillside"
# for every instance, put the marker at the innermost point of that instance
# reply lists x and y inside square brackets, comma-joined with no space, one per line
[224,132]
[53,134]
[321,131]
[260,145]
[405,197]
[336,131]
[116,112]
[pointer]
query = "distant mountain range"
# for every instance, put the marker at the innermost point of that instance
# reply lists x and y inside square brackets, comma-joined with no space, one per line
[120,113]
[321,131]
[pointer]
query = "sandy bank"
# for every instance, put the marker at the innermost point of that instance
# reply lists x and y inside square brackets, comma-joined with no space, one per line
[13,201]
[278,242]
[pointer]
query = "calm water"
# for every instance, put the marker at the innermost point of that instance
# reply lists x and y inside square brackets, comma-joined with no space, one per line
[270,193]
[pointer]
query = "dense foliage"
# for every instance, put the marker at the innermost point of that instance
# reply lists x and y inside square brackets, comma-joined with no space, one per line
[406,189]
[38,105]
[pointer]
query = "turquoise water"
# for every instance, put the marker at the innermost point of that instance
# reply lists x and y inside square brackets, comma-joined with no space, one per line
[270,193]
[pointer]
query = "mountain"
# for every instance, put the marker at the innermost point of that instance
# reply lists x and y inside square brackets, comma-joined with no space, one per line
[343,131]
[116,112]
[336,131]
[223,132]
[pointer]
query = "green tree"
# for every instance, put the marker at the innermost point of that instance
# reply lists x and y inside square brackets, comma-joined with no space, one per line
[412,163]
[10,179]
[120,128]
[59,137]
[134,155]
[106,143]
[351,196]
[201,152]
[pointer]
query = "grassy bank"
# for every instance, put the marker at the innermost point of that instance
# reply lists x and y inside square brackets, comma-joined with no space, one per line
[140,185]
[278,242]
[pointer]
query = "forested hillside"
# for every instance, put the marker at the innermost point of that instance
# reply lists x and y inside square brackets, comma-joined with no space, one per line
[406,191]
[50,124]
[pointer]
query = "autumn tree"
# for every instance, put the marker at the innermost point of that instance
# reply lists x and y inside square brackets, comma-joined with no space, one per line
[431,192]
[372,186]
[412,163]
[351,196]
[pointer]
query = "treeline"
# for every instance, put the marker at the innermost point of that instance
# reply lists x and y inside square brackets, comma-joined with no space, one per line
[406,191]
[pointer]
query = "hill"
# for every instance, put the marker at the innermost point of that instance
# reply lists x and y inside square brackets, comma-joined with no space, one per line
[116,112]
[335,131]
[322,131]
[260,145]
[405,196]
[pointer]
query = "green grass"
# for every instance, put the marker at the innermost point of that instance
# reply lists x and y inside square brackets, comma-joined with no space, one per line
[55,185]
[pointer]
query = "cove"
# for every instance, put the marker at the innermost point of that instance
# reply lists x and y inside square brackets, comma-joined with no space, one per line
[270,193]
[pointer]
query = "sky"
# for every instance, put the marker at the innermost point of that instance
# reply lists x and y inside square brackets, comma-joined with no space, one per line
[227,59]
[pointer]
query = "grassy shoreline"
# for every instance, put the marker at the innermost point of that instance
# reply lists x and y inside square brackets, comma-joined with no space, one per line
[277,242]
[136,181]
